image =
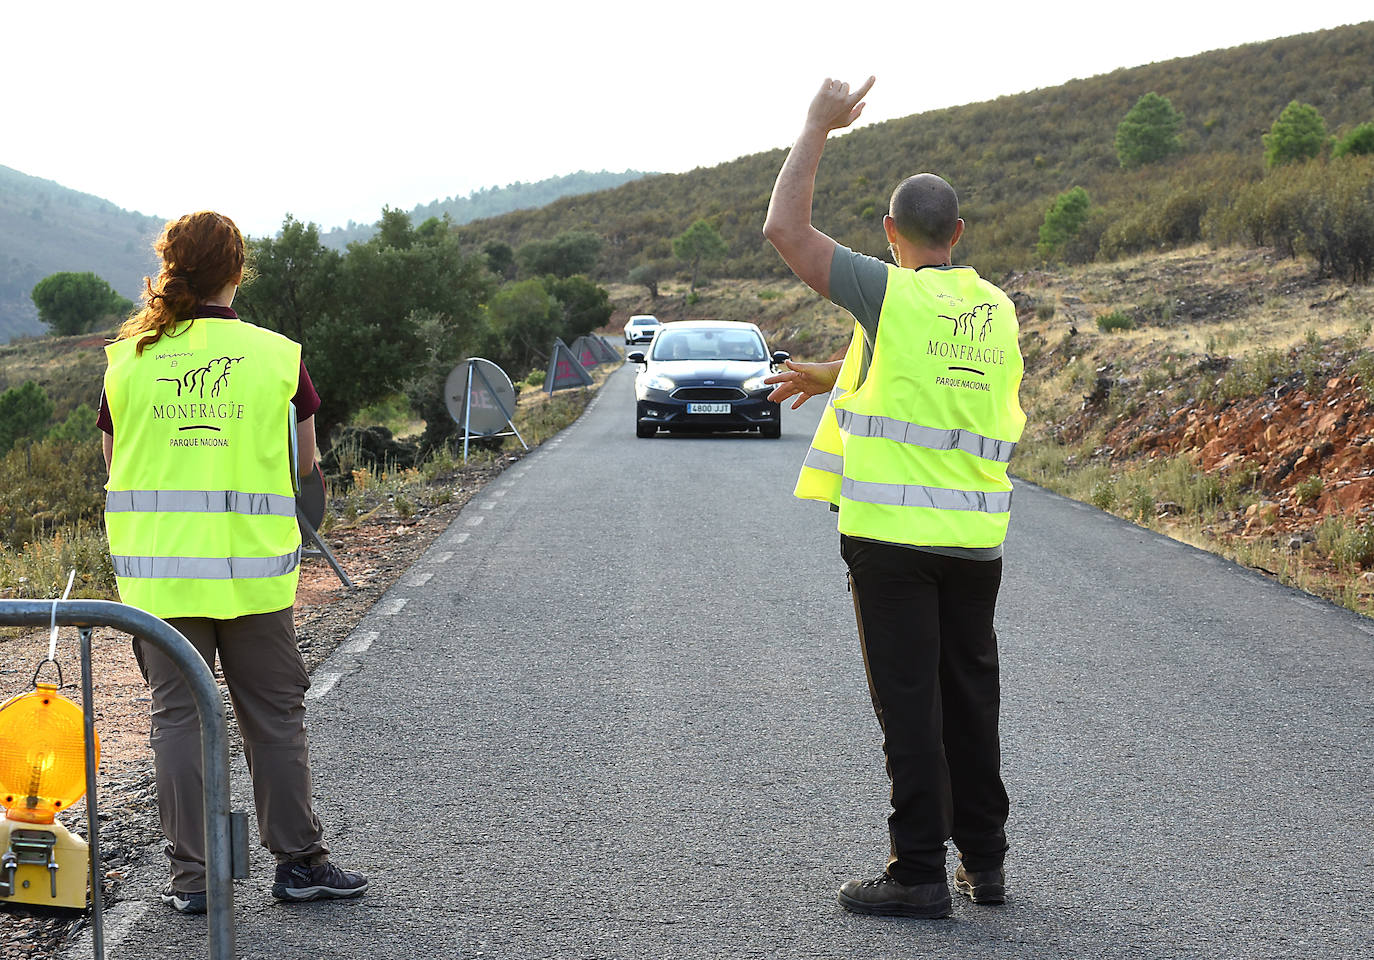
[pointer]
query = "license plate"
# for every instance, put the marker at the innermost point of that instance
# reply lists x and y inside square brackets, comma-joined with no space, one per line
[708,408]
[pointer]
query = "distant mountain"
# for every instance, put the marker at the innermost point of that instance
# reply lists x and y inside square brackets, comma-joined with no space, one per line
[46,227]
[492,202]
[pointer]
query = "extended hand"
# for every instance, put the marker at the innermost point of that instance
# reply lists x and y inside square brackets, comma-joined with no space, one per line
[803,381]
[834,106]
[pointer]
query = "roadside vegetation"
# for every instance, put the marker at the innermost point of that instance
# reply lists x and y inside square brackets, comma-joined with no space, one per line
[52,494]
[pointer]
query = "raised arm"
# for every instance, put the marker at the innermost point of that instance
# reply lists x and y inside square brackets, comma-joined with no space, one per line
[788,226]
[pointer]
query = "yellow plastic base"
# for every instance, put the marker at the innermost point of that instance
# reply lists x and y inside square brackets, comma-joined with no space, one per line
[33,882]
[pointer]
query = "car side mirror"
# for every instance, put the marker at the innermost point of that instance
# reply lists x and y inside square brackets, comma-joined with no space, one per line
[636,357]
[779,356]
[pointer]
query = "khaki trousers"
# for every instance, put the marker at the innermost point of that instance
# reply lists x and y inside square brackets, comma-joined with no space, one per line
[267,681]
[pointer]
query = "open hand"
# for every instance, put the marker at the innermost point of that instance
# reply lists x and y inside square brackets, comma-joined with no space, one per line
[834,106]
[803,381]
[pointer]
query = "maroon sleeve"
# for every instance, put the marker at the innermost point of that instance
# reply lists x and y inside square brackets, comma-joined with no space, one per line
[102,418]
[307,401]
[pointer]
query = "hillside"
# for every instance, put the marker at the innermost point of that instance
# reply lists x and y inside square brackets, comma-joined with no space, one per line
[491,202]
[1008,158]
[46,227]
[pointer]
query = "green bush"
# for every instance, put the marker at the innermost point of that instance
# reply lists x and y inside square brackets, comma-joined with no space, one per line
[1299,133]
[1062,221]
[1116,320]
[1344,543]
[1149,131]
[1309,490]
[1358,142]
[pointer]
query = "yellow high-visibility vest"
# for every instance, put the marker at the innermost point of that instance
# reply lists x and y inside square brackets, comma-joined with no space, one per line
[918,453]
[199,505]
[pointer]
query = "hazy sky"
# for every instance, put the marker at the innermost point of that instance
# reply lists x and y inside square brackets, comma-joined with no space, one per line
[329,111]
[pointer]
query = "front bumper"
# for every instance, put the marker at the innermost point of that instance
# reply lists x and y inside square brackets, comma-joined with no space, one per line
[669,413]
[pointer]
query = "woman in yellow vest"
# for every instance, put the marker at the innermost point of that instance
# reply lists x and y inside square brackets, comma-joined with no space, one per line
[912,453]
[201,518]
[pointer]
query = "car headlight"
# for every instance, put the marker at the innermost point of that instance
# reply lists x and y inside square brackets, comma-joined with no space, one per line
[658,382]
[754,384]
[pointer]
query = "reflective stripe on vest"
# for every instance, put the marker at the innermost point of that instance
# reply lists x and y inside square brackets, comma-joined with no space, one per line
[200,501]
[936,498]
[902,431]
[820,460]
[206,568]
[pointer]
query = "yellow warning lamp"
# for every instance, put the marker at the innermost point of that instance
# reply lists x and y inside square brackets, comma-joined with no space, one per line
[42,772]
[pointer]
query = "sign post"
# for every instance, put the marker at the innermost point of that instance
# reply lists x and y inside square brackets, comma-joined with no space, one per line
[481,399]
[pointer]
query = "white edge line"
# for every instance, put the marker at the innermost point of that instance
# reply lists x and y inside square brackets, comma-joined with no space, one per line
[114,932]
[359,643]
[320,684]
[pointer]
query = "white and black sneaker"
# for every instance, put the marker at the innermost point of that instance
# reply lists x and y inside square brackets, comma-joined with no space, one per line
[298,880]
[183,902]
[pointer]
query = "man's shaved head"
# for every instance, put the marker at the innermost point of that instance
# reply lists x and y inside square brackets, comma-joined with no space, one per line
[925,210]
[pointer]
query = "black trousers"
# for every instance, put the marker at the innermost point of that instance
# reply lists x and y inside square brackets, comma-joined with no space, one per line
[925,626]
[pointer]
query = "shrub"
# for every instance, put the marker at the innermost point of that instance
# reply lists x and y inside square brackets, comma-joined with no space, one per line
[1357,142]
[1346,544]
[1148,132]
[1103,494]
[1309,490]
[1062,221]
[1298,134]
[1116,320]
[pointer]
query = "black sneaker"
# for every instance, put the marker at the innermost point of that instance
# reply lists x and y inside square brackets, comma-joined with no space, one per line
[981,886]
[885,896]
[184,902]
[298,880]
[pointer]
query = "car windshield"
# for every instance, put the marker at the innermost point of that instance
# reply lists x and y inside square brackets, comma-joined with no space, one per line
[644,323]
[707,344]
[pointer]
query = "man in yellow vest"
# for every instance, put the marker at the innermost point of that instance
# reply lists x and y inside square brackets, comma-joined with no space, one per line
[201,516]
[912,453]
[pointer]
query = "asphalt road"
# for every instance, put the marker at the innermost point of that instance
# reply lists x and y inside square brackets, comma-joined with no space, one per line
[618,710]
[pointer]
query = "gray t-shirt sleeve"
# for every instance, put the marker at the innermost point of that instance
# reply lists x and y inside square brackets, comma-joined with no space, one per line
[858,283]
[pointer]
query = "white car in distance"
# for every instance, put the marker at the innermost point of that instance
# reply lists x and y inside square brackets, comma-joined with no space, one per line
[641,328]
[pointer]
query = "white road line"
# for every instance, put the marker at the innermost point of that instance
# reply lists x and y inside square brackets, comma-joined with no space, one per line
[461,537]
[359,643]
[446,556]
[420,579]
[320,684]
[475,521]
[118,922]
[393,606]
[499,493]
[487,504]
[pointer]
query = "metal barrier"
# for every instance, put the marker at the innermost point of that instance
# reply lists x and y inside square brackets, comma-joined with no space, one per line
[222,837]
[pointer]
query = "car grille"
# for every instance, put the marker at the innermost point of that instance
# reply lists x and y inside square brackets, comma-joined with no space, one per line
[709,393]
